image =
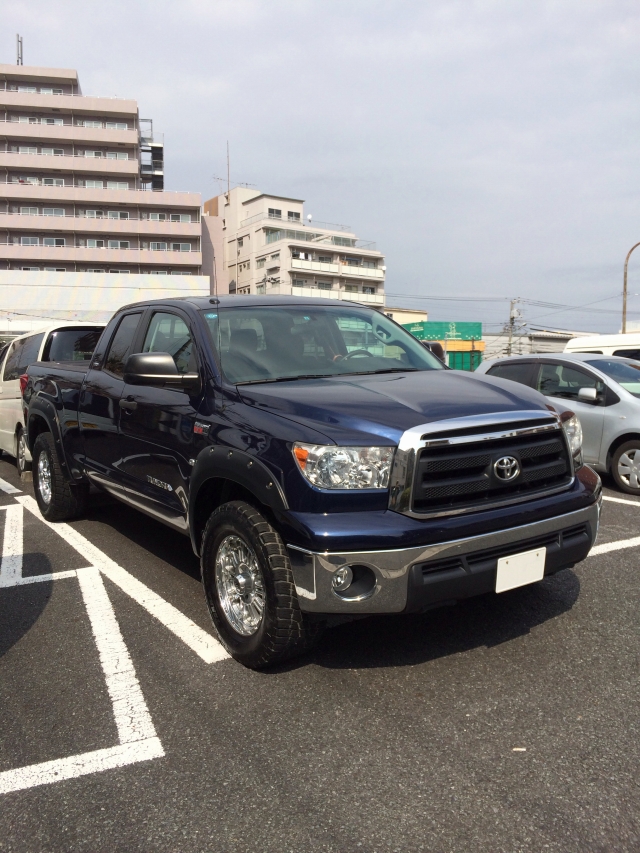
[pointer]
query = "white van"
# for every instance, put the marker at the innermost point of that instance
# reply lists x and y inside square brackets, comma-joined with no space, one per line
[62,342]
[627,346]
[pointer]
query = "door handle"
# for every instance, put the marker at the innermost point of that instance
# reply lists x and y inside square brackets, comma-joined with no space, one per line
[128,405]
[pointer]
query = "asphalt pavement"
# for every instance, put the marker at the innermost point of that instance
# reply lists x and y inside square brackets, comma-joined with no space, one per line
[506,723]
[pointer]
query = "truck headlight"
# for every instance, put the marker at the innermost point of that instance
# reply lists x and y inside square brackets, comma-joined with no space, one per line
[573,431]
[331,467]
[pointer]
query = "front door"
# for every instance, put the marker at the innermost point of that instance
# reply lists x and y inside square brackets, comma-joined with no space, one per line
[99,410]
[561,383]
[156,424]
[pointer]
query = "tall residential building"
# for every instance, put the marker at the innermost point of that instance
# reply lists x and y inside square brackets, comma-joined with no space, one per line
[82,183]
[263,244]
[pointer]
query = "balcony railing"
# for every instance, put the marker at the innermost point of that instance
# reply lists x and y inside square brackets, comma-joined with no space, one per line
[368,298]
[106,218]
[15,91]
[318,239]
[258,217]
[83,156]
[69,185]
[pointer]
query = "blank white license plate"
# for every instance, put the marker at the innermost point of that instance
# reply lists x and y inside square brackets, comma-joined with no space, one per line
[520,569]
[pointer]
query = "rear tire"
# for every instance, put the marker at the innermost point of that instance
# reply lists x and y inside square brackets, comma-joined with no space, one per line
[57,498]
[625,467]
[249,587]
[22,463]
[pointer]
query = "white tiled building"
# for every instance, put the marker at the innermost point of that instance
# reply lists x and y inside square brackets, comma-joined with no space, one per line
[263,244]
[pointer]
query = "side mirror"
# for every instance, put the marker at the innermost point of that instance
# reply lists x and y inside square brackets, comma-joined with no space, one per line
[158,369]
[436,348]
[588,395]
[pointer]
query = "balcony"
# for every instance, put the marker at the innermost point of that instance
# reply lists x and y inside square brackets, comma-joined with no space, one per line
[372,299]
[292,223]
[317,238]
[100,257]
[67,132]
[73,224]
[77,104]
[100,197]
[338,269]
[76,163]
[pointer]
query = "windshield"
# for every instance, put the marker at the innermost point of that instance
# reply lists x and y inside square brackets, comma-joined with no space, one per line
[265,343]
[625,373]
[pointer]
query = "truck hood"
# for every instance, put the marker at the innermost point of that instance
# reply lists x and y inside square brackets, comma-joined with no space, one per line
[353,409]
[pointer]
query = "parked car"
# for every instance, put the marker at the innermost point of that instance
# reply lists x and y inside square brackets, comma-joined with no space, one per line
[603,390]
[59,342]
[626,346]
[322,461]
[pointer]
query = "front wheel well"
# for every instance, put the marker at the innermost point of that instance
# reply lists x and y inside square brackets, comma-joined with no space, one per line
[620,440]
[215,492]
[37,425]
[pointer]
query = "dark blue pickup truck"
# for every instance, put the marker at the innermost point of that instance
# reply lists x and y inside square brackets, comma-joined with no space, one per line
[321,459]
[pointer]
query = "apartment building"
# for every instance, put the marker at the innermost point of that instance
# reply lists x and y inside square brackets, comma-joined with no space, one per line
[82,183]
[263,244]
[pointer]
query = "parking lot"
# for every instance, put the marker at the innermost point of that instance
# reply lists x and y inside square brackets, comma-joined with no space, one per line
[506,723]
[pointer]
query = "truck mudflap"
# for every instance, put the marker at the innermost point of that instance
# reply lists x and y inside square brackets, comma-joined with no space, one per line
[415,579]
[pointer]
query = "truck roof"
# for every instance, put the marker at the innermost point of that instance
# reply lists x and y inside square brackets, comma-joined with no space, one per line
[228,301]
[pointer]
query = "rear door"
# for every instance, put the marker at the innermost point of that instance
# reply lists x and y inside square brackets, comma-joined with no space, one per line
[99,410]
[156,424]
[561,382]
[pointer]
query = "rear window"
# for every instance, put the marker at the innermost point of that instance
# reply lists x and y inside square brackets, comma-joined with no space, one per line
[628,353]
[516,372]
[71,344]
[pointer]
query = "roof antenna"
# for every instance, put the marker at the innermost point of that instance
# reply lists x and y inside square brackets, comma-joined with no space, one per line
[19,49]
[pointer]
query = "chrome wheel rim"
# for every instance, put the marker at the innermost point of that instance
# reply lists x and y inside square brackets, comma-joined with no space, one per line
[44,478]
[629,468]
[22,451]
[240,585]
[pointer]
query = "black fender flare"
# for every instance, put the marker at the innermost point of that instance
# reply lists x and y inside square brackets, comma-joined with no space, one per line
[41,407]
[227,463]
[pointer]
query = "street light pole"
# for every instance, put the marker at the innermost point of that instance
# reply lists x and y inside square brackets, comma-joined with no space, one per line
[624,290]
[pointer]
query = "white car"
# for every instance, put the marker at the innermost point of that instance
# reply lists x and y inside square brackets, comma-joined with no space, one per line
[60,342]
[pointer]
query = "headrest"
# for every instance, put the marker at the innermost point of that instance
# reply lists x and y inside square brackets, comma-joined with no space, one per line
[244,339]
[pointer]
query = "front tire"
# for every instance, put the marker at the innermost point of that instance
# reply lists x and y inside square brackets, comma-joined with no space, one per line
[625,467]
[57,498]
[22,463]
[249,587]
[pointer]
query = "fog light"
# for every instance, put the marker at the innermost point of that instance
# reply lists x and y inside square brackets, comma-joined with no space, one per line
[342,579]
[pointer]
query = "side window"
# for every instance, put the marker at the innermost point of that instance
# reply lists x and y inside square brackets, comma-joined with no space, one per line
[11,369]
[169,333]
[559,380]
[30,352]
[628,353]
[517,372]
[121,344]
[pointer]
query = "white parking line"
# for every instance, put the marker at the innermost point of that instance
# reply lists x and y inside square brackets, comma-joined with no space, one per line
[11,565]
[621,501]
[8,488]
[202,643]
[614,546]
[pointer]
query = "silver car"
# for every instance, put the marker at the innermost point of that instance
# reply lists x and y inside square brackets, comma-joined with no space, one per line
[603,390]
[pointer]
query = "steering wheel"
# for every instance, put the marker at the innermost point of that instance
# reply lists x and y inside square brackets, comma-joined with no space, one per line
[358,352]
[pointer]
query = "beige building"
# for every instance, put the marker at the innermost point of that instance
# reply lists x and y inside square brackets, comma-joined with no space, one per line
[259,243]
[82,183]
[406,315]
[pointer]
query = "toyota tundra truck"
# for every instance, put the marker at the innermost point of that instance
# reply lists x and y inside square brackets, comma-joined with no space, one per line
[322,461]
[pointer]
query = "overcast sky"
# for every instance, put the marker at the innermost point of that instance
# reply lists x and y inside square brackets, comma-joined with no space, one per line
[489,148]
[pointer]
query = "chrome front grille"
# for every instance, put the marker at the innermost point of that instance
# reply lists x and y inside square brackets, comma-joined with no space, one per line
[451,467]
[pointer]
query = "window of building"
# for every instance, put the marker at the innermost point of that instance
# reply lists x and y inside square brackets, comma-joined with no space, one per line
[47,90]
[260,263]
[351,288]
[117,125]
[181,247]
[157,217]
[55,269]
[52,152]
[368,289]
[93,269]
[369,264]
[94,214]
[53,182]
[31,89]
[158,247]
[28,241]
[53,241]
[29,211]
[325,259]
[274,213]
[117,185]
[57,121]
[298,282]
[27,149]
[240,242]
[351,262]
[93,153]
[180,272]
[180,217]
[89,123]
[53,211]
[119,244]
[30,269]
[292,216]
[95,244]
[121,272]
[117,155]
[275,256]
[158,272]
[324,285]
[94,185]
[118,214]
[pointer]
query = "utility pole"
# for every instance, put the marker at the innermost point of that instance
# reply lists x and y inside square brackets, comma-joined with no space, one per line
[512,322]
[624,289]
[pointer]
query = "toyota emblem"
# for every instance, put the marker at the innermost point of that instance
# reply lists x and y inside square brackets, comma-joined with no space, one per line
[506,468]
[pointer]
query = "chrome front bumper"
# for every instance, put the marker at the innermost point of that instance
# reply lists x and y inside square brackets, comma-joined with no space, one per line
[390,593]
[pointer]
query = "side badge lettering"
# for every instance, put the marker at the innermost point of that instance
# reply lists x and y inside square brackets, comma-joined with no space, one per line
[159,483]
[201,429]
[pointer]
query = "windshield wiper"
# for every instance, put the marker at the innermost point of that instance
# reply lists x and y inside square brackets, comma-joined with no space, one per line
[287,378]
[382,370]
